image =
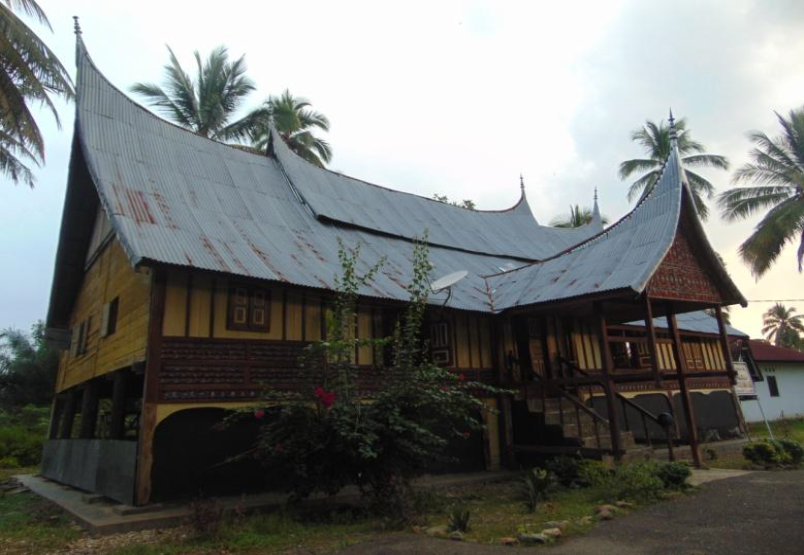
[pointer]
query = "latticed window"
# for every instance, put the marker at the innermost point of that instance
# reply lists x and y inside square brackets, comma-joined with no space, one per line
[249,308]
[441,343]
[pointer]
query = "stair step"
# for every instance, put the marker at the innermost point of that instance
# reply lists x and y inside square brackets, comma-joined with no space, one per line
[626,441]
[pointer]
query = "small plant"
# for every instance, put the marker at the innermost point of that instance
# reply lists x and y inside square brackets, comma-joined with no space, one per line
[794,451]
[634,482]
[711,454]
[458,519]
[674,475]
[206,518]
[537,485]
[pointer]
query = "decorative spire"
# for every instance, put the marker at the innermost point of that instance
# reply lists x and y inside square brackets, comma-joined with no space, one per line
[672,121]
[597,219]
[76,25]
[521,182]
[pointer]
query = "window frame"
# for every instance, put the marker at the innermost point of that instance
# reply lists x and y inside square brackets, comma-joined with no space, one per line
[252,292]
[773,386]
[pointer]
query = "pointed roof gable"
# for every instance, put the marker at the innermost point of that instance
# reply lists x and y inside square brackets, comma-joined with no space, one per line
[627,255]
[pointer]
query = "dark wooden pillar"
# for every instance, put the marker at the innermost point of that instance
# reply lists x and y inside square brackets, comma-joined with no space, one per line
[652,347]
[724,344]
[68,417]
[506,425]
[118,417]
[89,411]
[150,397]
[686,400]
[609,386]
[55,417]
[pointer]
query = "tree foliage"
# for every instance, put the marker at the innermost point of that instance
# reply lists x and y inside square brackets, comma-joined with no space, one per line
[776,174]
[206,104]
[783,326]
[30,74]
[331,433]
[466,203]
[655,140]
[294,120]
[578,216]
[27,368]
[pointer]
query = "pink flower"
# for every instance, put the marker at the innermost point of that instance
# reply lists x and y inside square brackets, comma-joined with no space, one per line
[259,414]
[325,398]
[461,377]
[443,388]
[465,435]
[278,447]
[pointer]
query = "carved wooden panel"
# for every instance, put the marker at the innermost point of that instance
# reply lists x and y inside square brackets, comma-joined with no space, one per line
[201,369]
[682,276]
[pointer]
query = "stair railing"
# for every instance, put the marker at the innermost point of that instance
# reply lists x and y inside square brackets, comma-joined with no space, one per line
[664,421]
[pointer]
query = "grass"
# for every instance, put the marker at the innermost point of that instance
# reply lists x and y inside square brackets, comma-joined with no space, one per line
[6,473]
[29,524]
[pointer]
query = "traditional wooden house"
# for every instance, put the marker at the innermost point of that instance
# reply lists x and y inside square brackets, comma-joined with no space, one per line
[190,274]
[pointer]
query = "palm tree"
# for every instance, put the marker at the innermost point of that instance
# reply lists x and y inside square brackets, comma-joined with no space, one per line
[782,325]
[776,172]
[294,120]
[29,72]
[655,139]
[204,105]
[577,217]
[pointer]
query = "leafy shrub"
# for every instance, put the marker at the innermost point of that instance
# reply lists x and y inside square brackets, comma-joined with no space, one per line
[9,462]
[22,444]
[794,450]
[673,475]
[537,485]
[767,453]
[458,519]
[574,472]
[592,473]
[330,433]
[634,482]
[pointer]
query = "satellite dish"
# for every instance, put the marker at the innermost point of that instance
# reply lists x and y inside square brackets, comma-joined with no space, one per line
[448,281]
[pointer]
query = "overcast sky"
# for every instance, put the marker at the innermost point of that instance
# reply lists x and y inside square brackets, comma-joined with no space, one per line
[455,98]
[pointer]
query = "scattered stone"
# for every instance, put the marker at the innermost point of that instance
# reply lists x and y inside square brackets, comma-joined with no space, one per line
[624,505]
[508,541]
[551,533]
[416,529]
[604,508]
[585,520]
[605,515]
[437,531]
[533,539]
[557,524]
[456,535]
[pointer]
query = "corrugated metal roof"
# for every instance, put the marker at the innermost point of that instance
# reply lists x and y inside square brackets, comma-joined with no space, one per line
[762,351]
[699,322]
[350,201]
[177,198]
[622,258]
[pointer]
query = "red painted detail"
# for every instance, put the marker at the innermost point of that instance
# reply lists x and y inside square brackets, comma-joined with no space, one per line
[164,207]
[138,207]
[210,248]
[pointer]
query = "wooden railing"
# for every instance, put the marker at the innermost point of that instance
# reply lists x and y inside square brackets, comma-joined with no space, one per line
[664,421]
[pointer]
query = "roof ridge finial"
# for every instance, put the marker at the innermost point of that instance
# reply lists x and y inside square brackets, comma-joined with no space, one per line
[672,121]
[77,25]
[521,182]
[595,197]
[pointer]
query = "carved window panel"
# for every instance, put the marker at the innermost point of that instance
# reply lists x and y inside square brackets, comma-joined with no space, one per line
[249,308]
[441,343]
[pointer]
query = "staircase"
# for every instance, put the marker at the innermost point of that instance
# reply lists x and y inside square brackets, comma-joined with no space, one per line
[584,433]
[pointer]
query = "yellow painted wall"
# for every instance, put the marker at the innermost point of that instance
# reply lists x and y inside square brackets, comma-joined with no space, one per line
[491,420]
[109,276]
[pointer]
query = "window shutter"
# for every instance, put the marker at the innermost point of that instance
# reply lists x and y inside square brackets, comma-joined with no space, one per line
[259,309]
[104,321]
[75,335]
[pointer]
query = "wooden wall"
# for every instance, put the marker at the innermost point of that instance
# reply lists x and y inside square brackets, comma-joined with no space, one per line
[110,275]
[196,306]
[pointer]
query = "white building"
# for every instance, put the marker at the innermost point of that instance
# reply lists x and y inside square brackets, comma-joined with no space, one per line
[779,385]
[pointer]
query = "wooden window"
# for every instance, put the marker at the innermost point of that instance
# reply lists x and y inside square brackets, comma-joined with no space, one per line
[441,343]
[108,324]
[80,338]
[694,354]
[249,308]
[773,386]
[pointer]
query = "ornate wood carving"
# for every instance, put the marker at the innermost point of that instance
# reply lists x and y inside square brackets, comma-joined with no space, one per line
[682,276]
[200,369]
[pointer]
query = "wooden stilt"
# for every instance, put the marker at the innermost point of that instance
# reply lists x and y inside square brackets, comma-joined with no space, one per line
[57,407]
[609,385]
[89,410]
[145,455]
[69,415]
[118,418]
[652,347]
[686,400]
[724,344]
